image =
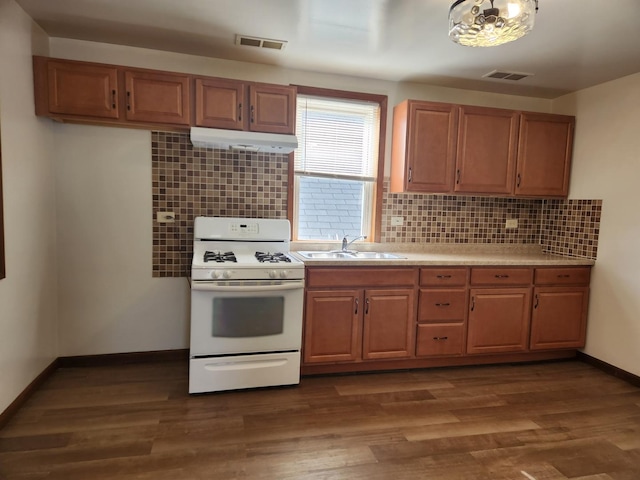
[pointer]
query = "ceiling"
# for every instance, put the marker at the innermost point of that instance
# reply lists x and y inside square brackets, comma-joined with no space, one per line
[575,43]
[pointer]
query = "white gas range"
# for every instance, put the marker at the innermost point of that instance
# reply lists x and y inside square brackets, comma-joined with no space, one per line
[246,305]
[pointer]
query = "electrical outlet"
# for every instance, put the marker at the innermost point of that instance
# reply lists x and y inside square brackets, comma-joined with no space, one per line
[397,221]
[511,223]
[165,217]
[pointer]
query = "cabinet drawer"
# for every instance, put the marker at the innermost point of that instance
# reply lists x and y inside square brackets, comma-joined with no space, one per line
[437,305]
[443,277]
[563,276]
[367,277]
[501,276]
[446,339]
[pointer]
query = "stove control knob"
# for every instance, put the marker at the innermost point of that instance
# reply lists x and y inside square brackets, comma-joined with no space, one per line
[273,274]
[284,274]
[215,274]
[226,274]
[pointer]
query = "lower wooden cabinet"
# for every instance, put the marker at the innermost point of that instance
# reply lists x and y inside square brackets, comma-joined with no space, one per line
[332,326]
[389,319]
[559,317]
[440,339]
[353,325]
[499,320]
[410,317]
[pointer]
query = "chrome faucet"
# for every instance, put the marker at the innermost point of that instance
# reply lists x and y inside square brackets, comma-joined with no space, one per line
[345,243]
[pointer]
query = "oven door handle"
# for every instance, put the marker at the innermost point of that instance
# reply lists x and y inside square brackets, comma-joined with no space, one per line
[212,287]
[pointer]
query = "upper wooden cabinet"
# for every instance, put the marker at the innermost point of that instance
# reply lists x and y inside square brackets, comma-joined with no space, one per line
[157,97]
[222,103]
[424,144]
[272,108]
[545,144]
[486,151]
[445,148]
[76,89]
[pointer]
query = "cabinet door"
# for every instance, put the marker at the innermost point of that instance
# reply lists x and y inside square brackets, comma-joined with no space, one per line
[486,152]
[272,108]
[544,155]
[157,97]
[431,143]
[389,324]
[498,320]
[332,326]
[220,103]
[82,89]
[559,317]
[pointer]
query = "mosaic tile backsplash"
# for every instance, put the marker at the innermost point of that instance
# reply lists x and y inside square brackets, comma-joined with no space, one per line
[195,182]
[192,182]
[571,227]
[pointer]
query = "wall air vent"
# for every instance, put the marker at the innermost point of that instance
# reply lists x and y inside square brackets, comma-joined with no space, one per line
[501,75]
[260,42]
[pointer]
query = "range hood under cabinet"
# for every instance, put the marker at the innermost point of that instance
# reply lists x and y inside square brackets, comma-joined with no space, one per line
[242,140]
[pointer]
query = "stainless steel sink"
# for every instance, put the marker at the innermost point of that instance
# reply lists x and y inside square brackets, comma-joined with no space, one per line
[349,255]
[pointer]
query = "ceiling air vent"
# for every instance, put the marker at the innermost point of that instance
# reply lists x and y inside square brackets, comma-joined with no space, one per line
[260,42]
[501,75]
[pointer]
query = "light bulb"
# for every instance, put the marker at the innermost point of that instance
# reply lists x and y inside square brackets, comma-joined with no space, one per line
[514,9]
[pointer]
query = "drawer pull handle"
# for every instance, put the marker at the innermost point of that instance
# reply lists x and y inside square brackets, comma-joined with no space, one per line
[440,338]
[535,305]
[366,306]
[566,275]
[410,175]
[443,304]
[239,112]
[458,177]
[252,113]
[473,303]
[113,99]
[518,182]
[502,276]
[357,303]
[442,277]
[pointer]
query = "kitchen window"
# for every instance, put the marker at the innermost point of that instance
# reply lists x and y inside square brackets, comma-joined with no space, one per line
[337,169]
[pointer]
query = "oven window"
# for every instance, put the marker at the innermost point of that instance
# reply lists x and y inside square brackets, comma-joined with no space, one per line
[247,316]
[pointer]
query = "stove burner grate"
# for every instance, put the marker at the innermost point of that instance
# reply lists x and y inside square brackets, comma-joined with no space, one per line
[219,257]
[272,257]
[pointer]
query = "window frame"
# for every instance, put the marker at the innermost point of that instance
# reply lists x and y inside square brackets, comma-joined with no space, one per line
[376,224]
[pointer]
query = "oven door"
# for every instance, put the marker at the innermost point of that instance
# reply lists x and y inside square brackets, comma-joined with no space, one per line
[246,316]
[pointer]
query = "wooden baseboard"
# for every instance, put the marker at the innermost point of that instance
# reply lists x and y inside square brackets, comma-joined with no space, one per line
[380,365]
[123,358]
[610,369]
[20,400]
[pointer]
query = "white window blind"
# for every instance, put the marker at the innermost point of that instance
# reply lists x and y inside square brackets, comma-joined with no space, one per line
[337,138]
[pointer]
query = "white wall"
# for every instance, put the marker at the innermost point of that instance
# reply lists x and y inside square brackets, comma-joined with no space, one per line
[606,165]
[108,300]
[28,294]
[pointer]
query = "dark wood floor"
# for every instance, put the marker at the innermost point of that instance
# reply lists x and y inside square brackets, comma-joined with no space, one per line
[541,421]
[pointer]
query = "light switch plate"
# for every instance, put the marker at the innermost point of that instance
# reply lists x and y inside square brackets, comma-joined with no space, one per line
[397,221]
[511,223]
[165,217]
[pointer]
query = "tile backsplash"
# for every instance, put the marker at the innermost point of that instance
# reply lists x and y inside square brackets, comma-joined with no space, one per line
[571,227]
[192,182]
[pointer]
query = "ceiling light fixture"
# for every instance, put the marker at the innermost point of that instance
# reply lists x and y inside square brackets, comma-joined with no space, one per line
[473,25]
